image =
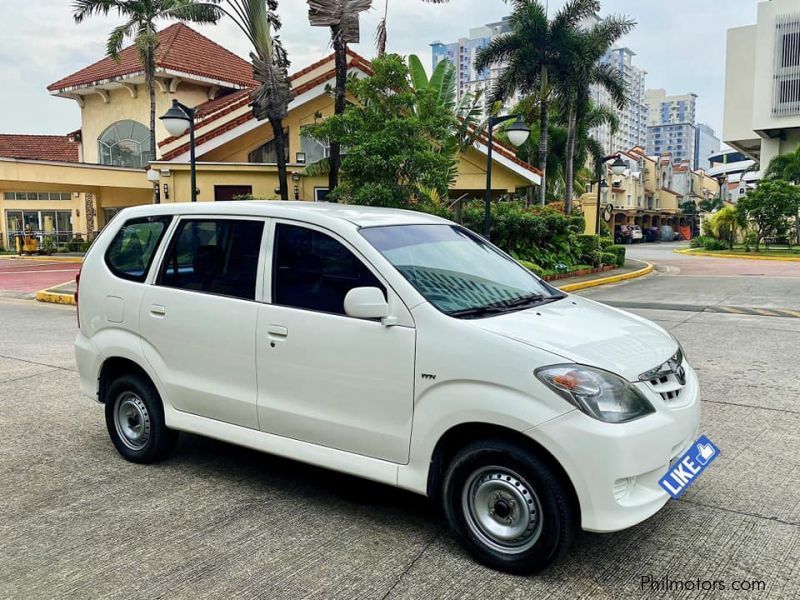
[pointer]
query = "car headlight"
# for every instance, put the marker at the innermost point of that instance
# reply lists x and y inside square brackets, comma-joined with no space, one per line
[600,394]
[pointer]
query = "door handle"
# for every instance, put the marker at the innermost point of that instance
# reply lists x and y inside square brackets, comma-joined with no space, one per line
[157,310]
[277,331]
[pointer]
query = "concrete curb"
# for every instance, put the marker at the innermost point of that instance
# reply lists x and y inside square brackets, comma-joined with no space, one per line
[574,287]
[64,259]
[694,252]
[55,298]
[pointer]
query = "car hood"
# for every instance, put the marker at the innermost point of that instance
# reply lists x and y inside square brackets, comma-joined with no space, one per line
[589,333]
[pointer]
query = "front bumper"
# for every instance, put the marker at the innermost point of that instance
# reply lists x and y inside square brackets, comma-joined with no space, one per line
[615,468]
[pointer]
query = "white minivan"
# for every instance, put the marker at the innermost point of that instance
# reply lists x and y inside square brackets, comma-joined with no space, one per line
[392,345]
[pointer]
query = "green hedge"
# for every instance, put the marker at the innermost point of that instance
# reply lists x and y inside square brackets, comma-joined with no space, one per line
[619,252]
[609,258]
[589,249]
[532,267]
[538,234]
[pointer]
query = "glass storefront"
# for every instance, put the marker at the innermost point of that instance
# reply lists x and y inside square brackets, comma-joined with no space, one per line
[40,224]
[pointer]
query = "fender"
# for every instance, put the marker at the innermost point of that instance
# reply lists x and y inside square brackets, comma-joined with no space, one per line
[449,404]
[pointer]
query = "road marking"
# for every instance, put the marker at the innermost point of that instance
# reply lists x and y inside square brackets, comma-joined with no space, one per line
[67,270]
[785,313]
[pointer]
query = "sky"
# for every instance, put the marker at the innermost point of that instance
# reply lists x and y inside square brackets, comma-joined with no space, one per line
[680,43]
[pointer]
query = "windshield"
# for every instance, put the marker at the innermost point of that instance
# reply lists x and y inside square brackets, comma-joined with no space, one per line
[458,272]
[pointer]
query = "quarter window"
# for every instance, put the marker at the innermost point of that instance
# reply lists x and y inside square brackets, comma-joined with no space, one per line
[131,251]
[217,256]
[313,271]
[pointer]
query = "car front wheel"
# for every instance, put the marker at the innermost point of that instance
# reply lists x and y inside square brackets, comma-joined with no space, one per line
[508,507]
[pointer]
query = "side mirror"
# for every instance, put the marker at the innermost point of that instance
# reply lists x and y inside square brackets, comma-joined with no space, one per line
[366,303]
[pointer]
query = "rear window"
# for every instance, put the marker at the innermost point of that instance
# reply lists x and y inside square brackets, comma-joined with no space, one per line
[131,251]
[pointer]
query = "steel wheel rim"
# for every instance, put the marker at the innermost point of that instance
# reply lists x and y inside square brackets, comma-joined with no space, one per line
[132,420]
[502,509]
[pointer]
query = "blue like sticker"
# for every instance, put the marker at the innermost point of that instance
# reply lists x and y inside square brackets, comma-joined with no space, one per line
[688,467]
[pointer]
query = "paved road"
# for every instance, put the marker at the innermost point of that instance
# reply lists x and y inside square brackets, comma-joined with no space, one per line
[22,278]
[219,521]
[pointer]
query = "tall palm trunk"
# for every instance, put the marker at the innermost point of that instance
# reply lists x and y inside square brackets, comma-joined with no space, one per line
[280,149]
[543,117]
[340,61]
[150,76]
[569,169]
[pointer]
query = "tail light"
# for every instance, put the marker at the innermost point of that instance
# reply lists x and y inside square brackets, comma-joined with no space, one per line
[77,288]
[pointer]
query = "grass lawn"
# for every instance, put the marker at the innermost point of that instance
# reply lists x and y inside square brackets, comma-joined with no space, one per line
[782,252]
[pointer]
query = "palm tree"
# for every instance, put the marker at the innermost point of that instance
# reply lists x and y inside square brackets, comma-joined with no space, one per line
[257,19]
[709,205]
[342,17]
[579,70]
[785,166]
[140,25]
[381,34]
[532,51]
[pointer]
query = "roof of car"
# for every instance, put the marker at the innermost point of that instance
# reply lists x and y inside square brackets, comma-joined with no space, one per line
[360,216]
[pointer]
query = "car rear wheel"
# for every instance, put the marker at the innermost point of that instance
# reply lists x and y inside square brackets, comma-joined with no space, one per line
[508,507]
[135,420]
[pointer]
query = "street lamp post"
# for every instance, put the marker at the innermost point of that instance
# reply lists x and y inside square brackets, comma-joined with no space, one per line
[177,120]
[617,167]
[518,134]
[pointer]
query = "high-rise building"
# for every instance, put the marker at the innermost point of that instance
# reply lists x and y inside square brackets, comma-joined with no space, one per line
[671,125]
[462,55]
[632,129]
[706,144]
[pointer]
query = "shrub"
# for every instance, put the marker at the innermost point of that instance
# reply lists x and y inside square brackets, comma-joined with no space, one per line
[537,234]
[589,249]
[605,242]
[712,244]
[532,267]
[619,251]
[609,258]
[699,241]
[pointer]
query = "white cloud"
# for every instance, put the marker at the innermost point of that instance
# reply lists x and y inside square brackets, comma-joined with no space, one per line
[681,43]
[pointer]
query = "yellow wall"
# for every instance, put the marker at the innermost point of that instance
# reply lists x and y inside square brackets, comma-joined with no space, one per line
[97,116]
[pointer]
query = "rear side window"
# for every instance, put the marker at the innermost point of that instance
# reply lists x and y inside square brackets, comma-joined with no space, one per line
[312,270]
[131,251]
[215,256]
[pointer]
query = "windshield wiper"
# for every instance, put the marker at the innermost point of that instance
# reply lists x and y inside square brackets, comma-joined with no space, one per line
[503,306]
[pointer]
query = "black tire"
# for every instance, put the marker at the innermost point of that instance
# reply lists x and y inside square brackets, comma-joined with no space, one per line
[138,399]
[541,543]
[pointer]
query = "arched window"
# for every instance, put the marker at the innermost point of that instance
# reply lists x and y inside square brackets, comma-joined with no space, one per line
[125,144]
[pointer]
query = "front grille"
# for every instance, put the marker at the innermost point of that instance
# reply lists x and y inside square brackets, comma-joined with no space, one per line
[668,380]
[667,386]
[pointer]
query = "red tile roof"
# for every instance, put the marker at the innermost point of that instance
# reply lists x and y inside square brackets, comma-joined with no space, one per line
[210,111]
[181,49]
[39,147]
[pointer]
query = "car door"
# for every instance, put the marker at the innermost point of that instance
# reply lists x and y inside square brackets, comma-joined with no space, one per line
[198,319]
[324,377]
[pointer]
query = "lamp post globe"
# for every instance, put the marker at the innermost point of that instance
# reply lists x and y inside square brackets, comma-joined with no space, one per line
[618,166]
[175,120]
[518,133]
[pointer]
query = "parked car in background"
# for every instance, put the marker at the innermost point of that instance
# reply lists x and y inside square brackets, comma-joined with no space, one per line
[391,345]
[650,234]
[636,233]
[622,234]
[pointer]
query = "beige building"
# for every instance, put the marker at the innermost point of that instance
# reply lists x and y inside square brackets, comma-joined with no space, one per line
[63,187]
[762,83]
[649,193]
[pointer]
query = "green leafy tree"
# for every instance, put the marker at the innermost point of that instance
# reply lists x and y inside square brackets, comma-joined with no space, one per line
[725,223]
[141,25]
[395,136]
[710,205]
[769,208]
[534,51]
